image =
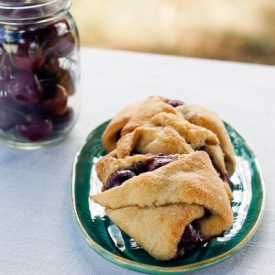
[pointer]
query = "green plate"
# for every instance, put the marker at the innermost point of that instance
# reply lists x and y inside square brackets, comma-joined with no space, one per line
[114,245]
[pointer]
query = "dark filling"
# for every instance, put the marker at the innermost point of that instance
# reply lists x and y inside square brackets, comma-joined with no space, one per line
[223,176]
[139,167]
[174,103]
[191,238]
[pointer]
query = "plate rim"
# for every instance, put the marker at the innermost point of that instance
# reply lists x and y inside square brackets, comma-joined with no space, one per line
[141,267]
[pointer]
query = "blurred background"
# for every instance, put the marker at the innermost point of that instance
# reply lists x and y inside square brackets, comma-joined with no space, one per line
[236,30]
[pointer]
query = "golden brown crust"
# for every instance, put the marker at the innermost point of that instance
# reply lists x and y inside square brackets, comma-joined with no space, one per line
[154,140]
[110,163]
[195,135]
[188,124]
[172,196]
[209,119]
[169,220]
[150,107]
[171,134]
[191,179]
[112,132]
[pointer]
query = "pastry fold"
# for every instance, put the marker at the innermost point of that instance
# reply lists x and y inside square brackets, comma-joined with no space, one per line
[209,119]
[113,131]
[133,116]
[171,134]
[155,126]
[157,229]
[155,207]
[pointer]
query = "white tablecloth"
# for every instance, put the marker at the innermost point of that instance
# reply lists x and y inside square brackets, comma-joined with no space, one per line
[38,234]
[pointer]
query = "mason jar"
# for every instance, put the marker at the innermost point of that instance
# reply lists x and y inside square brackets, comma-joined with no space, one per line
[39,72]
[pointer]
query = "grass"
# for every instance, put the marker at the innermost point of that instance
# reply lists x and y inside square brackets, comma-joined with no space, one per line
[236,30]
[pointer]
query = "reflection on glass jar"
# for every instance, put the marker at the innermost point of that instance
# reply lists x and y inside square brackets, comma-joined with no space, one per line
[39,72]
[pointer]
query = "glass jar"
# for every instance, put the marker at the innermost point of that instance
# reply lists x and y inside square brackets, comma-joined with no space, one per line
[39,72]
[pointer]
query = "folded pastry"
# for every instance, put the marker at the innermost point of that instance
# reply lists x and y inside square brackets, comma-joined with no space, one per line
[209,119]
[169,204]
[133,116]
[112,132]
[173,135]
[170,125]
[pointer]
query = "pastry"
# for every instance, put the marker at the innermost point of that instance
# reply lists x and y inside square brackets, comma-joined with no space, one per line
[133,116]
[209,119]
[166,175]
[113,131]
[151,114]
[158,200]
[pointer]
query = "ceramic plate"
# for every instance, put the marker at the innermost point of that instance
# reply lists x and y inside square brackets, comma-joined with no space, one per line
[114,245]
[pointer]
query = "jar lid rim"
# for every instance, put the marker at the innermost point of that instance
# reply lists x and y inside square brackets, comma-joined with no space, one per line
[18,12]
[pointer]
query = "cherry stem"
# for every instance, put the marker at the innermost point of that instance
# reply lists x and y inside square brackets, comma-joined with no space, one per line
[2,60]
[45,79]
[28,118]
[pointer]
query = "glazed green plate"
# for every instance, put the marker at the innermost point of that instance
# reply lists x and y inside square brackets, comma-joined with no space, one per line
[114,245]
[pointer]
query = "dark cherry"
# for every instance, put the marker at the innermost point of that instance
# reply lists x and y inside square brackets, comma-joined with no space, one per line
[28,63]
[62,122]
[24,48]
[25,88]
[5,12]
[140,167]
[64,45]
[223,176]
[55,30]
[9,113]
[28,55]
[54,101]
[35,127]
[191,238]
[158,161]
[175,103]
[50,67]
[226,178]
[118,178]
[66,79]
[59,40]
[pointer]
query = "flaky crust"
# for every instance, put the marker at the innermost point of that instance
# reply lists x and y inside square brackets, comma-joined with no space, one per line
[131,117]
[154,125]
[169,220]
[171,134]
[110,163]
[112,132]
[172,196]
[209,119]
[189,181]
[150,107]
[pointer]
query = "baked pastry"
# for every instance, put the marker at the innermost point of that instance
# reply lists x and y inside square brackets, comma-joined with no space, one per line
[181,196]
[151,114]
[166,176]
[131,117]
[209,119]
[113,131]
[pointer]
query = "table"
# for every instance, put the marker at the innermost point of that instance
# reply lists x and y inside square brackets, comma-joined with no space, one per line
[38,234]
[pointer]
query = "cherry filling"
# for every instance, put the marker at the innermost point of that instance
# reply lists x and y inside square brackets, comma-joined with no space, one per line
[224,177]
[119,177]
[175,103]
[139,167]
[191,238]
